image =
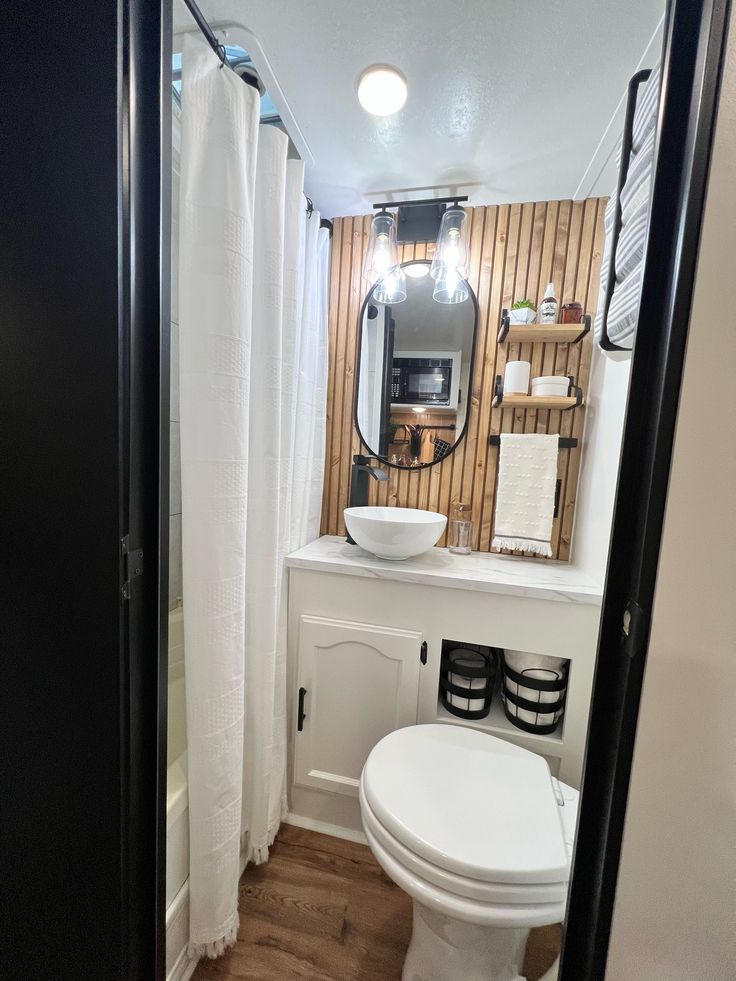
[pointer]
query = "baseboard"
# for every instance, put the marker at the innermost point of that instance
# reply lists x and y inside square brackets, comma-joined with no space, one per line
[177,938]
[323,827]
[184,967]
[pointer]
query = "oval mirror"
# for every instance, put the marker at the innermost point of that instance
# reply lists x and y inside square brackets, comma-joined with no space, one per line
[415,365]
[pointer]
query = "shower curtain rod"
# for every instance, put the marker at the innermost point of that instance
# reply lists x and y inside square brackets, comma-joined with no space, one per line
[202,23]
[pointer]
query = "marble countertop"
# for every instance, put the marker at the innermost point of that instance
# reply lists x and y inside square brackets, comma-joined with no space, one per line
[479,571]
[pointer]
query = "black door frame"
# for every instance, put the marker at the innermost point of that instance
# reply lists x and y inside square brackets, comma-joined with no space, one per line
[84,321]
[145,206]
[695,39]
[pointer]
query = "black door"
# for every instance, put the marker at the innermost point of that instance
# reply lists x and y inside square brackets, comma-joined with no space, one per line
[82,179]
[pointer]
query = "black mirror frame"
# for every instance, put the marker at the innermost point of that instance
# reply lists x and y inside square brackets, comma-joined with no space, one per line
[356,389]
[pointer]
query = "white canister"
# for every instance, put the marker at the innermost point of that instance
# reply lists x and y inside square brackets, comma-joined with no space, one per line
[516,378]
[535,668]
[546,385]
[471,660]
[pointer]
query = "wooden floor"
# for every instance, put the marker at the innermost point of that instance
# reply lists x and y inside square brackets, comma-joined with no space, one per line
[321,909]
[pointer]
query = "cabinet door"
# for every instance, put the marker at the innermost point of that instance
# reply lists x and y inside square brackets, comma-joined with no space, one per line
[361,683]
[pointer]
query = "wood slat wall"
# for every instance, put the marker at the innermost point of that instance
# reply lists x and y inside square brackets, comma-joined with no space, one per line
[515,250]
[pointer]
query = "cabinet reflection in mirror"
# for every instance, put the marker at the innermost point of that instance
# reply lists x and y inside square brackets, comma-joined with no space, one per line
[415,369]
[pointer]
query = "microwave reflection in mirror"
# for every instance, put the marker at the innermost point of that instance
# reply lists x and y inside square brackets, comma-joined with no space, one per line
[414,373]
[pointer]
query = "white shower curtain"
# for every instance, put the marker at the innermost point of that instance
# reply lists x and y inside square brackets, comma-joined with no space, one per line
[253,325]
[287,436]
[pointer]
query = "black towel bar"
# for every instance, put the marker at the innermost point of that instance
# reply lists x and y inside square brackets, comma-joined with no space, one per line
[633,93]
[566,442]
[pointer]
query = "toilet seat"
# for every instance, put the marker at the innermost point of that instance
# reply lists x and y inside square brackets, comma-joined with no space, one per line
[468,825]
[459,885]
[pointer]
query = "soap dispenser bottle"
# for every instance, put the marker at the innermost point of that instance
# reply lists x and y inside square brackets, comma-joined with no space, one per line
[549,306]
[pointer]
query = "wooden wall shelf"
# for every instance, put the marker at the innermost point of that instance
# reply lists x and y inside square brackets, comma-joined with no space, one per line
[536,402]
[514,401]
[542,333]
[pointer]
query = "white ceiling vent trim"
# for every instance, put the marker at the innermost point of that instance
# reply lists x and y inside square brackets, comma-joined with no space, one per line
[237,34]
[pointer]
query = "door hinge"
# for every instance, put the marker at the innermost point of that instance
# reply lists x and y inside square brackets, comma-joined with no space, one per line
[634,629]
[132,564]
[423,652]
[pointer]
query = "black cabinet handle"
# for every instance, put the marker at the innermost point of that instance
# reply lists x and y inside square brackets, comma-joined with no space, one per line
[301,715]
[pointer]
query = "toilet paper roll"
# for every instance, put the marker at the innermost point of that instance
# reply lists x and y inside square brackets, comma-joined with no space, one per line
[516,378]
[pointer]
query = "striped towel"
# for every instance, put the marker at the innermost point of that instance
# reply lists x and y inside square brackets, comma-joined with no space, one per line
[623,312]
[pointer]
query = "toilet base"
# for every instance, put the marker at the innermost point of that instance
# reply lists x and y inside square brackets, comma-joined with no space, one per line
[444,949]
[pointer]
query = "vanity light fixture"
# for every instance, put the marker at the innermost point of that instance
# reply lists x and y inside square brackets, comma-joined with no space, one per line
[382,90]
[381,264]
[450,263]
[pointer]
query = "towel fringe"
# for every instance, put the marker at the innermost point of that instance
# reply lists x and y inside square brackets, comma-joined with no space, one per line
[216,948]
[522,545]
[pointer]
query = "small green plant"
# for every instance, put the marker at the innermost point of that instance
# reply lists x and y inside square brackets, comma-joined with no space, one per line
[524,305]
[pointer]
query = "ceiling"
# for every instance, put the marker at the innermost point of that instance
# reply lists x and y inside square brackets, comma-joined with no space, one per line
[423,324]
[509,100]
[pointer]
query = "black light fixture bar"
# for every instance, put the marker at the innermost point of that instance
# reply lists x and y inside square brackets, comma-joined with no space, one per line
[419,221]
[384,205]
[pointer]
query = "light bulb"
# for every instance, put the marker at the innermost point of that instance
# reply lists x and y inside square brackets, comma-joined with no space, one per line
[451,249]
[450,289]
[449,265]
[391,288]
[382,253]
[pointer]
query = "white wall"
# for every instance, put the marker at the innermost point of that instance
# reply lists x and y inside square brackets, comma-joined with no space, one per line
[604,420]
[675,915]
[601,173]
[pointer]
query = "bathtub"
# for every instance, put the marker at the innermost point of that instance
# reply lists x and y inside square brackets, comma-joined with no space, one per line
[178,966]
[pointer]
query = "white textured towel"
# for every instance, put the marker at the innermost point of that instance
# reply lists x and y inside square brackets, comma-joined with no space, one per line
[525,498]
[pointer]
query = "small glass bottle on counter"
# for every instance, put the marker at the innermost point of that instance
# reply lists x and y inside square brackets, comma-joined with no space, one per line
[461,530]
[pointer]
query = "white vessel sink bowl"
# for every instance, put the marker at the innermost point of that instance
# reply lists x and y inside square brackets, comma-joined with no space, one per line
[394,533]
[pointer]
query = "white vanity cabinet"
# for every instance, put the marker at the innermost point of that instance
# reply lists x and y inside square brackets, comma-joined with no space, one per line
[356,682]
[365,645]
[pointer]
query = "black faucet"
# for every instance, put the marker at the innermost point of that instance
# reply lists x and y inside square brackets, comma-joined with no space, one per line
[359,474]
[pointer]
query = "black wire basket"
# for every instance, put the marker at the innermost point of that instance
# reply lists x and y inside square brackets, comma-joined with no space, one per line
[467,678]
[533,703]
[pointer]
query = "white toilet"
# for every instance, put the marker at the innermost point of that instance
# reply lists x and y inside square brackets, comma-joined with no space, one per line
[480,835]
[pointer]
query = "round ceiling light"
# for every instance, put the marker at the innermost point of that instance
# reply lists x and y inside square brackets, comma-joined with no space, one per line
[416,270]
[382,90]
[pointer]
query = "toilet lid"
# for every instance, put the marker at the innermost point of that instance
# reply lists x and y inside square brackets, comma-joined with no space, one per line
[469,803]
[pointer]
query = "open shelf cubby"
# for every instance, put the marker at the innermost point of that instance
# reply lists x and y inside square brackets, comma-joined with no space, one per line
[498,725]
